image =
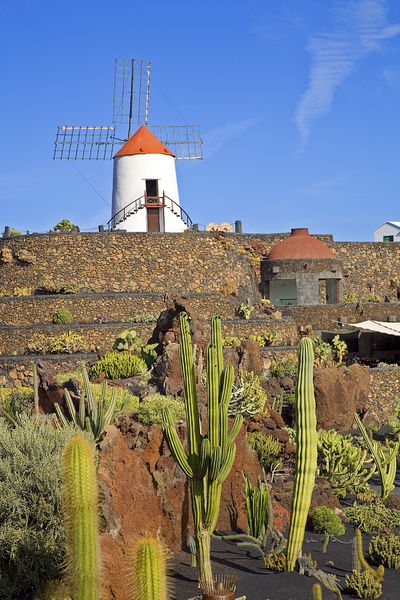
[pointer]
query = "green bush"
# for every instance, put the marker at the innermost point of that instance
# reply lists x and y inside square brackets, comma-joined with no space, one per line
[17,401]
[385,550]
[150,409]
[248,397]
[230,342]
[284,368]
[267,448]
[374,298]
[125,400]
[65,225]
[325,521]
[51,286]
[31,529]
[13,231]
[350,297]
[62,315]
[118,365]
[64,343]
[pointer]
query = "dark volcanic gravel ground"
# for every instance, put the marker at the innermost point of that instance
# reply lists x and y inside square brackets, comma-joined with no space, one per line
[258,584]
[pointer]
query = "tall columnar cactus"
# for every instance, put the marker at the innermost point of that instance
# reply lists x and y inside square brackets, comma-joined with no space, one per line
[360,562]
[148,571]
[384,458]
[306,451]
[209,458]
[35,390]
[80,500]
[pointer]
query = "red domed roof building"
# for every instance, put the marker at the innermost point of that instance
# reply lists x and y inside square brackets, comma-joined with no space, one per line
[301,270]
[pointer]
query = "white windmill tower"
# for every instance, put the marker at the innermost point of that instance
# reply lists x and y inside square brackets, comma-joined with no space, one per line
[145,188]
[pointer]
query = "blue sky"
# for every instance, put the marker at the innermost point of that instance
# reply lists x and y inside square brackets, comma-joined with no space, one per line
[298,103]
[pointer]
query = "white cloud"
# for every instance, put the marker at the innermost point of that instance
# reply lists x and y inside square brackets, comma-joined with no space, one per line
[215,139]
[360,28]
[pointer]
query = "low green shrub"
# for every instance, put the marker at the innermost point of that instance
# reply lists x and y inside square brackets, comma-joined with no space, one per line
[125,400]
[64,343]
[385,550]
[31,524]
[325,521]
[245,309]
[230,342]
[4,293]
[363,585]
[373,517]
[13,231]
[118,365]
[17,401]
[267,448]
[374,298]
[51,286]
[62,315]
[22,291]
[248,397]
[284,368]
[127,340]
[150,409]
[350,297]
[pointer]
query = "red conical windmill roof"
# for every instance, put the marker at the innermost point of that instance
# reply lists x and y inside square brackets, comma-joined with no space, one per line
[143,142]
[300,244]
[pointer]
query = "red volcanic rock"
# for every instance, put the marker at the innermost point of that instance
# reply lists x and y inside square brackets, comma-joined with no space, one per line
[144,491]
[339,395]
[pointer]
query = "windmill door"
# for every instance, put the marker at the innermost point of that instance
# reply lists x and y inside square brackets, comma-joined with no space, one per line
[153,219]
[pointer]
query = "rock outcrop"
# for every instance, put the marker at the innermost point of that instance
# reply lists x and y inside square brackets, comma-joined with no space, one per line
[144,491]
[339,394]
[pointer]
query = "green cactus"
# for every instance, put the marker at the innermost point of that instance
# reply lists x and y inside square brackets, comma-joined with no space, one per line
[80,501]
[384,458]
[97,416]
[260,518]
[306,454]
[209,458]
[363,585]
[385,550]
[317,593]
[343,463]
[148,571]
[35,390]
[361,563]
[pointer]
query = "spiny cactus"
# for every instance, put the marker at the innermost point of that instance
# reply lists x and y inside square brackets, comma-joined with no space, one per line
[35,390]
[361,563]
[80,502]
[148,571]
[385,550]
[384,458]
[363,585]
[343,463]
[306,452]
[317,593]
[209,458]
[97,415]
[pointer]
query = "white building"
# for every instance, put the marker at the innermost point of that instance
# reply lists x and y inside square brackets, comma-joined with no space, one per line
[145,189]
[388,232]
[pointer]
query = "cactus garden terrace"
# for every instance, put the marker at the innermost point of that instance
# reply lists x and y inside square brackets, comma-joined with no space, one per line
[254,450]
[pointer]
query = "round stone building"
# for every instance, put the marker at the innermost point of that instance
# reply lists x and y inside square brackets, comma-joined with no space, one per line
[301,270]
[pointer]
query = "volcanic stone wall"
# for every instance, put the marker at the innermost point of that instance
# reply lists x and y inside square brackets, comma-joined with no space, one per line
[189,262]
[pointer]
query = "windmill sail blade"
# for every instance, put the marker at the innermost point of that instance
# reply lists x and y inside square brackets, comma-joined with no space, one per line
[79,143]
[131,92]
[184,141]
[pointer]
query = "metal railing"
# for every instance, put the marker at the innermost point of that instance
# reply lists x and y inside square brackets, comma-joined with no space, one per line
[151,202]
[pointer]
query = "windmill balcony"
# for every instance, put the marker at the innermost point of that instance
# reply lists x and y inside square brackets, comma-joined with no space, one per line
[150,202]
